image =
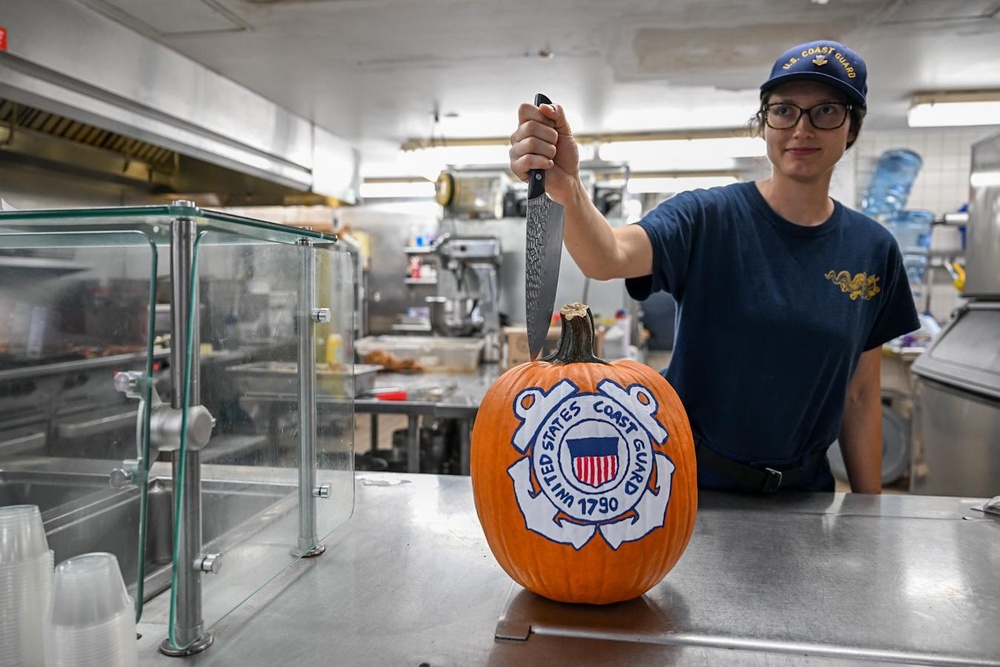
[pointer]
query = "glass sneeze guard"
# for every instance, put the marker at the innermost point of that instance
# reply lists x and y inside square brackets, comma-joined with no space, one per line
[275,476]
[74,311]
[279,516]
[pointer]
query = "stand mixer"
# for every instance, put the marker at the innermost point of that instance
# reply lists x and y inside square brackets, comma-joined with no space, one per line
[474,308]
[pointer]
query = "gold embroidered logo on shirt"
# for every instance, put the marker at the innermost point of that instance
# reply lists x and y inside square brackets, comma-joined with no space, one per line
[859,286]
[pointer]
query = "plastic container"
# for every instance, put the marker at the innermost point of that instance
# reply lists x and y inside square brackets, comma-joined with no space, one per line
[334,350]
[421,353]
[916,268]
[891,182]
[912,230]
[614,346]
[925,335]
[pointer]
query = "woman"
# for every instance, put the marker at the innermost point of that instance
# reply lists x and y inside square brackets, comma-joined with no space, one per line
[784,295]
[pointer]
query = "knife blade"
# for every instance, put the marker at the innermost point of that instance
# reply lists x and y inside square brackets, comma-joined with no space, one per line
[543,251]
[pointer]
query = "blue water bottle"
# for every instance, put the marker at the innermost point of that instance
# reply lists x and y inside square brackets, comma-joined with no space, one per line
[890,186]
[912,230]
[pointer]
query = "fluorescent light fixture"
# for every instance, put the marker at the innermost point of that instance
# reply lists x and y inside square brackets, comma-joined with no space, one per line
[984,179]
[955,109]
[397,190]
[429,162]
[708,154]
[476,154]
[669,185]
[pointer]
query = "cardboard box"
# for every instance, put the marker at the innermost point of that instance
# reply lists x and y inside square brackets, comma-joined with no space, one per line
[514,344]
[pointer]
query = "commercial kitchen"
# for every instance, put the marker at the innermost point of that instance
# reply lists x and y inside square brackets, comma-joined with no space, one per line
[202,197]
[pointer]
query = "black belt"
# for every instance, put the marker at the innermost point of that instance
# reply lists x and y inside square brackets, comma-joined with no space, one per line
[767,479]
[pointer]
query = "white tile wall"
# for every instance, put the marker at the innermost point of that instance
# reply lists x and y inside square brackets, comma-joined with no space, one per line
[942,185]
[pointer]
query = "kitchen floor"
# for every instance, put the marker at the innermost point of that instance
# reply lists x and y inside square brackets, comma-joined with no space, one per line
[386,425]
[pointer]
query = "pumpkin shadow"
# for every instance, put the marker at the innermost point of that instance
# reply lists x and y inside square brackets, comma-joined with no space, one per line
[532,626]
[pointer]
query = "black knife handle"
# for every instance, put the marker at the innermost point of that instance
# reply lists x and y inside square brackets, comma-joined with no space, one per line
[536,177]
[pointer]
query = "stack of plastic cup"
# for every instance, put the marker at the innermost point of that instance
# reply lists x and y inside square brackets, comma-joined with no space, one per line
[92,619]
[25,585]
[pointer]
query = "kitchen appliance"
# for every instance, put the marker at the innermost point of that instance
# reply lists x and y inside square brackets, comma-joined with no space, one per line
[473,308]
[957,380]
[543,251]
[474,196]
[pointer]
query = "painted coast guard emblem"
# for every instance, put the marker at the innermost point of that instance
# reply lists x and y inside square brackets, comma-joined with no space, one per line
[589,464]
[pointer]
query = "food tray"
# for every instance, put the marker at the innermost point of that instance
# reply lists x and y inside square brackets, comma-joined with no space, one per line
[440,354]
[281,378]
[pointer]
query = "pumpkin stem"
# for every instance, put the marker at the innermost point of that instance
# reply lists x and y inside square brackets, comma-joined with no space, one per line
[576,342]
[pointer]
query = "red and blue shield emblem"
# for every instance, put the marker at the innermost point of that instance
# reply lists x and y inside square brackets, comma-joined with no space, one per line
[595,459]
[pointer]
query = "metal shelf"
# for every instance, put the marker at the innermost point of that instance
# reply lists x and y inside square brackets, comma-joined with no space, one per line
[41,264]
[419,249]
[961,218]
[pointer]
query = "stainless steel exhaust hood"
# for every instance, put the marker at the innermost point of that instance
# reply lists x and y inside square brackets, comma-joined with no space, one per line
[33,139]
[120,81]
[37,138]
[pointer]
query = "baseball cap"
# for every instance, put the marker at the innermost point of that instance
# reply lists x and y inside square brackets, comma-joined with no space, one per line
[825,61]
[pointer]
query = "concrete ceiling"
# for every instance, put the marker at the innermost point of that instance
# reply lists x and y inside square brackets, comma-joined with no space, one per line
[380,72]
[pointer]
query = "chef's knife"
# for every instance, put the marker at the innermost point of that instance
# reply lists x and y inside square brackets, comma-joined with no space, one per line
[543,251]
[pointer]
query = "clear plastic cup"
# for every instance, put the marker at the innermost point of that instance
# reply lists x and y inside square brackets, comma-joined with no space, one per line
[92,619]
[22,534]
[108,644]
[25,590]
[25,577]
[87,590]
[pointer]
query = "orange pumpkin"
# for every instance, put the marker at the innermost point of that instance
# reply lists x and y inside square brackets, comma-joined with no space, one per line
[583,472]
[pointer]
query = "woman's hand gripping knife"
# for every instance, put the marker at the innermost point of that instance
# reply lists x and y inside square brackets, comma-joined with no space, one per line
[544,140]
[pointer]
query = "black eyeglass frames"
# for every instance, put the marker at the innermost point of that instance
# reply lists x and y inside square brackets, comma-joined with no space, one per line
[824,116]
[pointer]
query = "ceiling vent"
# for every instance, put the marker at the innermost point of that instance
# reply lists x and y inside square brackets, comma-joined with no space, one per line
[908,12]
[159,19]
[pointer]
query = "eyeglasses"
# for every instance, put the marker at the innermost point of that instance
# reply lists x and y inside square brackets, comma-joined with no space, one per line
[825,116]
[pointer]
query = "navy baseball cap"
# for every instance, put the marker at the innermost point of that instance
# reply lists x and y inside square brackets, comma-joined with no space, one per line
[825,61]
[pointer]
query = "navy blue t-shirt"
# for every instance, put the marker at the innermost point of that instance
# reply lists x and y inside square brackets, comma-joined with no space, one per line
[772,319]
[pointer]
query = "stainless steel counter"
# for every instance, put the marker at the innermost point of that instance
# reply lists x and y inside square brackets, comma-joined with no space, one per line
[444,395]
[454,396]
[811,580]
[451,395]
